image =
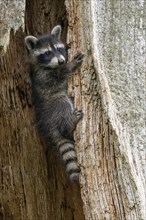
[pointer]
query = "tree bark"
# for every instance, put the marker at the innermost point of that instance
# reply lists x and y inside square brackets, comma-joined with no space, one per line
[108,88]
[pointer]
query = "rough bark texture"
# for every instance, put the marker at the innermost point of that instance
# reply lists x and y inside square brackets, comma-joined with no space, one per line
[109,90]
[111,84]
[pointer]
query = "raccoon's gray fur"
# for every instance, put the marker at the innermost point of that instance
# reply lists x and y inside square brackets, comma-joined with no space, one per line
[55,115]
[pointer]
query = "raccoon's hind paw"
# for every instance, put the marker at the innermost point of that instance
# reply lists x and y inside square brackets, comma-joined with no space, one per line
[79,57]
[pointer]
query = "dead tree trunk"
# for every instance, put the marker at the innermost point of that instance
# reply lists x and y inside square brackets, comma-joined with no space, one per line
[109,90]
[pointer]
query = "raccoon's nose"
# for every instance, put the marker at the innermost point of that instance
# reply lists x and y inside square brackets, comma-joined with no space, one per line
[61,61]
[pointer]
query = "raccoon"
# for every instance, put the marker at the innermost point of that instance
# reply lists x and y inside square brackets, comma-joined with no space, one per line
[56,117]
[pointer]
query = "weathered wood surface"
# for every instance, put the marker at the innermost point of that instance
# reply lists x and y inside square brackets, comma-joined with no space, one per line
[109,89]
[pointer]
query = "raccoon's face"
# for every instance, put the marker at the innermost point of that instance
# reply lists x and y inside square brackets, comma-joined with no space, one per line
[47,51]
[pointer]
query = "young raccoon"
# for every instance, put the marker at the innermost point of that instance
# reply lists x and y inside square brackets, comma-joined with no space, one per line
[55,115]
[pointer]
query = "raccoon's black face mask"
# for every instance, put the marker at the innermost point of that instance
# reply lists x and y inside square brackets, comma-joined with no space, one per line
[47,51]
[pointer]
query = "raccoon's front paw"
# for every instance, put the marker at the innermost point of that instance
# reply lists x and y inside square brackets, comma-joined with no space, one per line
[78,114]
[79,57]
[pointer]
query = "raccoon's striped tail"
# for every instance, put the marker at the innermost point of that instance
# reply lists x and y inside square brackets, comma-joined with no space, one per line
[68,153]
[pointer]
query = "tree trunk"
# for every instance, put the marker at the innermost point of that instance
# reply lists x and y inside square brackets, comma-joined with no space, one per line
[109,90]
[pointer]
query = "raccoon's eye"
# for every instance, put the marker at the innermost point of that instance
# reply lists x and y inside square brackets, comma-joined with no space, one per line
[60,50]
[48,53]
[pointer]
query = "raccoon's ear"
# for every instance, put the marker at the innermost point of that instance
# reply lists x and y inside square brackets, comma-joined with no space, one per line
[30,42]
[56,31]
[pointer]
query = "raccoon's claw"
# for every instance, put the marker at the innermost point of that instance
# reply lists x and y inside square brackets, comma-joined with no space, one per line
[78,113]
[79,57]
